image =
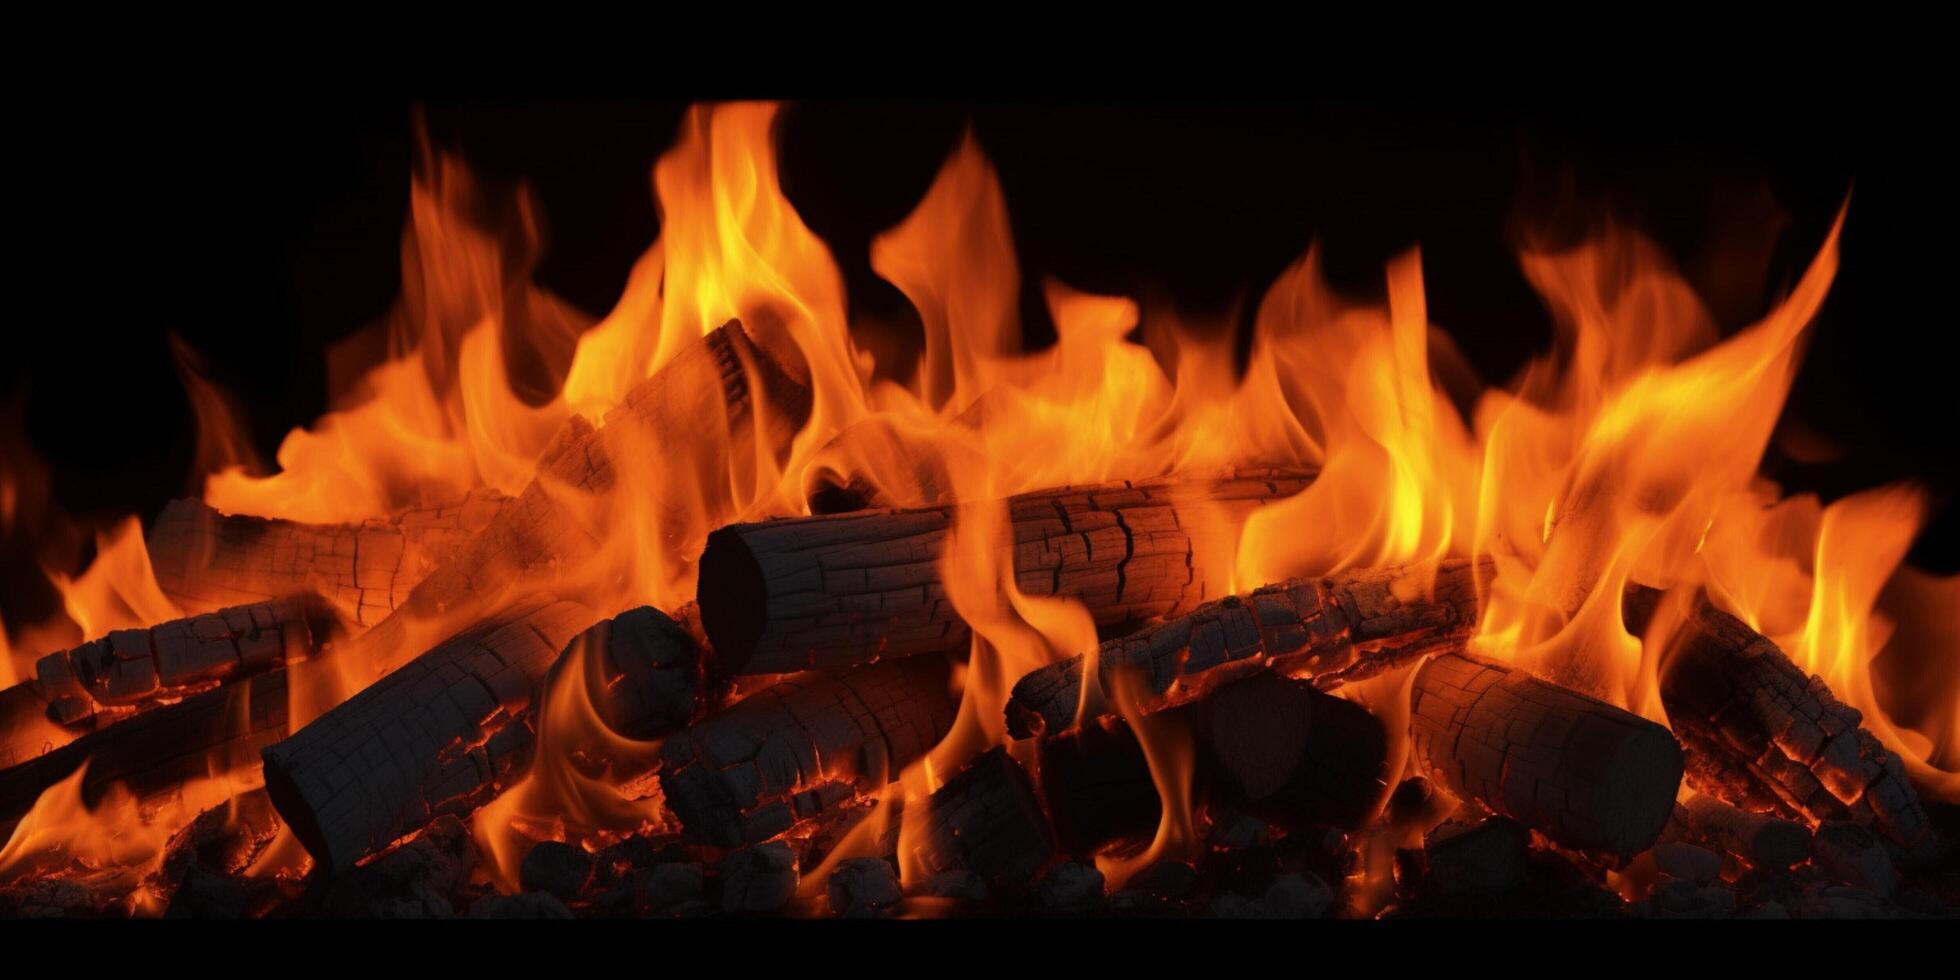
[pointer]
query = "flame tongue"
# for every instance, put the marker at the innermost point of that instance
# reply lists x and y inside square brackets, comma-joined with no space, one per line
[1628,454]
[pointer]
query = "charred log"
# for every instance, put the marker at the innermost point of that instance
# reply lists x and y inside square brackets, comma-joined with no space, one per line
[1097,782]
[205,560]
[134,670]
[828,592]
[803,746]
[1293,755]
[1763,840]
[1583,772]
[1763,735]
[25,731]
[156,752]
[989,821]
[1335,629]
[438,736]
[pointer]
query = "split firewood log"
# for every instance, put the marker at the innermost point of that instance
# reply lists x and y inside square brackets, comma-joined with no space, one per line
[543,539]
[835,591]
[1761,734]
[156,752]
[441,735]
[205,560]
[801,747]
[1584,773]
[135,670]
[1343,627]
[987,819]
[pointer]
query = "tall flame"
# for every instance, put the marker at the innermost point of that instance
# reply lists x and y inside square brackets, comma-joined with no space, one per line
[1629,452]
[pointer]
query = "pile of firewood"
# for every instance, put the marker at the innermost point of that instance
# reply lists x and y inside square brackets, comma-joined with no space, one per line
[1514,795]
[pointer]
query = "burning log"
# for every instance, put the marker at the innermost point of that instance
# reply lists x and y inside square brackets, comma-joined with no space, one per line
[1291,754]
[1098,785]
[438,736]
[1343,627]
[989,821]
[1759,838]
[803,746]
[835,591]
[1761,734]
[540,537]
[135,670]
[157,751]
[1583,772]
[204,559]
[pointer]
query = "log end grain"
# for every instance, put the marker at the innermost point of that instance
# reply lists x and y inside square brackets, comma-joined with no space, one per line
[1585,773]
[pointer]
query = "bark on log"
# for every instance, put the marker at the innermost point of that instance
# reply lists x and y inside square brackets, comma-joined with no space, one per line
[543,540]
[1335,629]
[801,747]
[989,821]
[439,736]
[835,591]
[156,752]
[135,670]
[1583,772]
[1763,840]
[1287,752]
[206,560]
[1761,734]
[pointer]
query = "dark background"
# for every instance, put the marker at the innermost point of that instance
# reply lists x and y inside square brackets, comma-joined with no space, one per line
[262,226]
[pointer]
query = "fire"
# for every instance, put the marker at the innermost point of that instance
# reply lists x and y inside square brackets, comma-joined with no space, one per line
[1626,454]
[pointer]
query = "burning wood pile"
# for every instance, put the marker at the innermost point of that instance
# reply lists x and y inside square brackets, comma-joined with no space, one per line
[741,642]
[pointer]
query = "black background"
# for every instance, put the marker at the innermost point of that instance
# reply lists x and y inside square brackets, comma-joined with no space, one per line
[262,225]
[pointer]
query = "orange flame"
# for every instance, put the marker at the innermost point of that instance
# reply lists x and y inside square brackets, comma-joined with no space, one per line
[1627,453]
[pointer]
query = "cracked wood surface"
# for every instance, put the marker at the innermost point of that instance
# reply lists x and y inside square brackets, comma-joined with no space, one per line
[988,820]
[1583,772]
[442,735]
[1763,735]
[834,591]
[1342,627]
[128,672]
[801,747]
[156,752]
[205,560]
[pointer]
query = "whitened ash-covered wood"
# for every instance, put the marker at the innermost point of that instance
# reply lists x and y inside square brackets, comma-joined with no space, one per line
[1334,629]
[206,560]
[156,752]
[1583,772]
[988,820]
[441,735]
[801,747]
[134,670]
[544,540]
[1765,736]
[835,591]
